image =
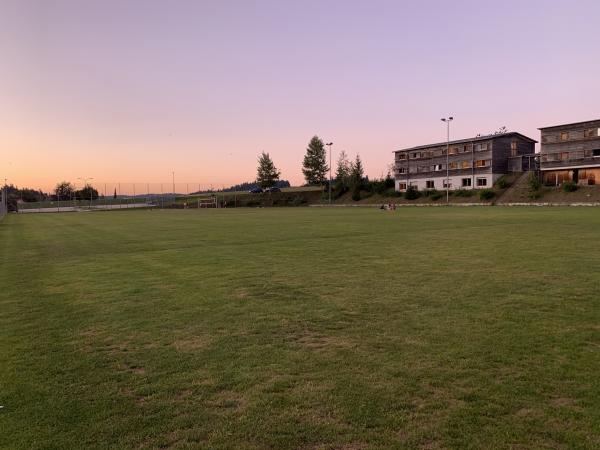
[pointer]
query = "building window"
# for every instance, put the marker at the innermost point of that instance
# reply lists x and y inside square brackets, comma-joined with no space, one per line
[453,165]
[590,133]
[481,182]
[429,184]
[564,156]
[513,148]
[465,164]
[401,156]
[481,163]
[447,184]
[466,182]
[402,186]
[438,167]
[564,135]
[402,170]
[453,151]
[596,153]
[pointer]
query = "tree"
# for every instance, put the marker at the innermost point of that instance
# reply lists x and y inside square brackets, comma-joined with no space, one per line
[87,193]
[266,174]
[115,194]
[314,166]
[357,174]
[64,190]
[342,173]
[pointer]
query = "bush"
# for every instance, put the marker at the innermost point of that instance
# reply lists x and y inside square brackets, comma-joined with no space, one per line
[486,194]
[298,200]
[534,182]
[569,186]
[435,196]
[463,192]
[392,193]
[411,193]
[502,183]
[380,186]
[356,194]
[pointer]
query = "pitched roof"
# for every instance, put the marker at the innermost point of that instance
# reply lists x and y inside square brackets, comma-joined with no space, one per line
[569,124]
[466,141]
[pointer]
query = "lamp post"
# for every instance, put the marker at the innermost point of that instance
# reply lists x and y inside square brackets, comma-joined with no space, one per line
[329,145]
[85,184]
[447,120]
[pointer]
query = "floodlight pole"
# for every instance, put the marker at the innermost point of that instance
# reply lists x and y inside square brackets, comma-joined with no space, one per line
[448,120]
[329,145]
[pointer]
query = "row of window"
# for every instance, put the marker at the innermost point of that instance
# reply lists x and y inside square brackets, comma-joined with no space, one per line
[452,165]
[566,156]
[465,182]
[571,135]
[454,150]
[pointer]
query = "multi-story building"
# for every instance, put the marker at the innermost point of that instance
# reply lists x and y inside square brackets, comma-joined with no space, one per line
[571,153]
[472,163]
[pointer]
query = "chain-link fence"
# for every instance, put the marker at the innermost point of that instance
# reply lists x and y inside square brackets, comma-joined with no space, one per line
[115,196]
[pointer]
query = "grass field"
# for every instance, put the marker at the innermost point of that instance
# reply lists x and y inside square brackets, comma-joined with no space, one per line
[308,328]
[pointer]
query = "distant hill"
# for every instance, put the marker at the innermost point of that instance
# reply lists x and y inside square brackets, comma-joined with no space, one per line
[245,187]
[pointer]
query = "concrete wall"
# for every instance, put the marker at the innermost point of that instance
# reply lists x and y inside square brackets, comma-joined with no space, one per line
[456,182]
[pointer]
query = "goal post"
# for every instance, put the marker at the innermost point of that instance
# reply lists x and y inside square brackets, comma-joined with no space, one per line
[207,202]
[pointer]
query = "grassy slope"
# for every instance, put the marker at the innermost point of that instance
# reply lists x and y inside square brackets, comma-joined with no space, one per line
[301,328]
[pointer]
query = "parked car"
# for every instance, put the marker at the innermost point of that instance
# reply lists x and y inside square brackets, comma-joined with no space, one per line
[256,190]
[273,189]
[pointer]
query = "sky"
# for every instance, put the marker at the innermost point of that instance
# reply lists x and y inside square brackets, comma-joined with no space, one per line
[131,91]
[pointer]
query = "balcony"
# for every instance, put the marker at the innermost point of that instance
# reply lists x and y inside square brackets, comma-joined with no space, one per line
[568,159]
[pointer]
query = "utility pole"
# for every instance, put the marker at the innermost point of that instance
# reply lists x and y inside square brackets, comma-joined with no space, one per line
[329,145]
[448,120]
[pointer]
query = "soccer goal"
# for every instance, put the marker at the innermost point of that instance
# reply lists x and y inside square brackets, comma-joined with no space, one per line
[208,202]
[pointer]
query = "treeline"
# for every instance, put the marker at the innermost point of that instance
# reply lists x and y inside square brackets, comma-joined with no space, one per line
[15,194]
[246,186]
[63,191]
[349,174]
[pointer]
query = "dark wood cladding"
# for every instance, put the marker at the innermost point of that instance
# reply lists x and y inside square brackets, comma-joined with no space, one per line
[570,146]
[465,158]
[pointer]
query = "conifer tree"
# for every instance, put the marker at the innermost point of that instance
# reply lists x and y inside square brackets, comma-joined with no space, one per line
[314,166]
[266,174]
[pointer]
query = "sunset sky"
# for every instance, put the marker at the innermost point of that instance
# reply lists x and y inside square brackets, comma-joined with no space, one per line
[129,91]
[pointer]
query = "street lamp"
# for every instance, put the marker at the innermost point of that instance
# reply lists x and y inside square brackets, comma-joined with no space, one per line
[85,184]
[447,120]
[329,145]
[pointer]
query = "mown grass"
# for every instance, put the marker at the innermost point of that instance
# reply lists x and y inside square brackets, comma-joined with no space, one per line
[301,328]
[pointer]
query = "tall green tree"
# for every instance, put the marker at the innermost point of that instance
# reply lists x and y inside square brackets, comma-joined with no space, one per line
[357,172]
[87,193]
[342,172]
[357,175]
[266,174]
[64,190]
[314,166]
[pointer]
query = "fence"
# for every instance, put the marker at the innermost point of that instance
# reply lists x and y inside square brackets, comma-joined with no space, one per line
[114,196]
[3,203]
